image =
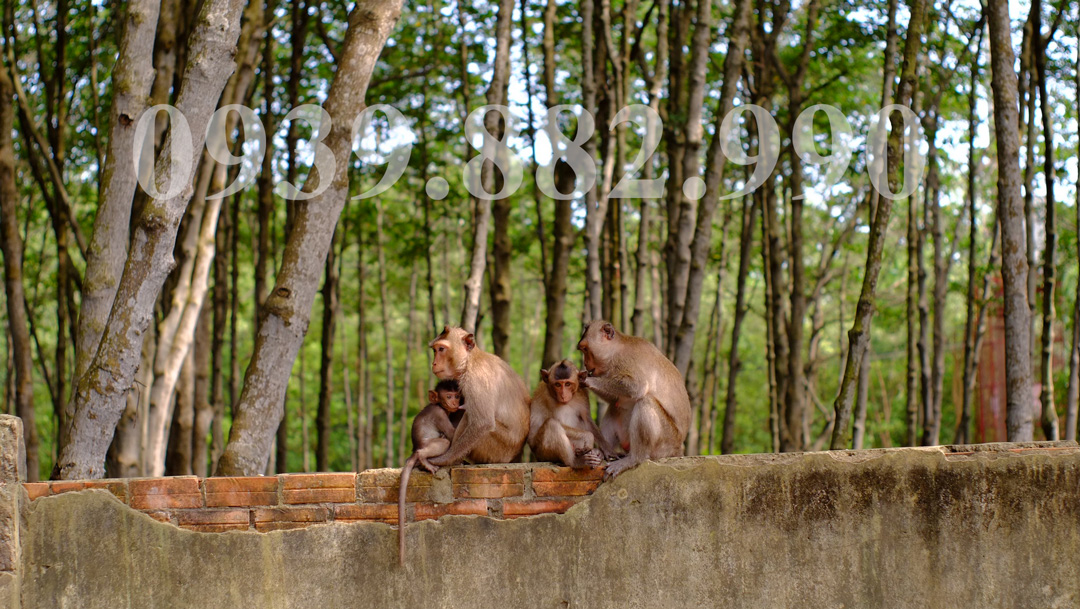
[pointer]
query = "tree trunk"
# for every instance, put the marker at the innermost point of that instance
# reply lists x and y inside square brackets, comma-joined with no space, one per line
[1049,411]
[746,242]
[132,78]
[178,456]
[12,245]
[1014,267]
[941,272]
[326,365]
[99,397]
[1073,399]
[403,423]
[288,307]
[496,95]
[859,335]
[914,364]
[963,428]
[204,411]
[701,245]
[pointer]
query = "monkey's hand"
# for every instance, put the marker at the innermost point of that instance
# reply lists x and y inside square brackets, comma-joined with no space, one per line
[428,465]
[583,450]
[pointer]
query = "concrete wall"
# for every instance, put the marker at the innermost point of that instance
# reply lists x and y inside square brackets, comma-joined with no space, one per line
[987,526]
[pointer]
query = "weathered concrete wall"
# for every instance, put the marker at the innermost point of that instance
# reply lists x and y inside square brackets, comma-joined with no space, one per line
[902,528]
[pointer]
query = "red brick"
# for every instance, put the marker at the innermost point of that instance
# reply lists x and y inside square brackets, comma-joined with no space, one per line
[274,519]
[567,474]
[215,528]
[517,509]
[305,514]
[385,512]
[37,489]
[116,487]
[487,483]
[467,507]
[381,486]
[318,488]
[198,517]
[241,492]
[158,493]
[564,489]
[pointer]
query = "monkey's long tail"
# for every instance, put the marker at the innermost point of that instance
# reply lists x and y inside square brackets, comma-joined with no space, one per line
[405,471]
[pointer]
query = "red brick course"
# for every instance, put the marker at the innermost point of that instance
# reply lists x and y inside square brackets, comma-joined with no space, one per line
[289,501]
[487,483]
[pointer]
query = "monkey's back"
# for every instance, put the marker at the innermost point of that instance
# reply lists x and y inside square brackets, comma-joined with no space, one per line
[488,374]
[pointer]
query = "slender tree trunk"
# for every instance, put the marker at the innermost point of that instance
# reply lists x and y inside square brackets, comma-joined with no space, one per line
[12,245]
[858,435]
[859,335]
[496,95]
[963,429]
[700,247]
[289,305]
[403,422]
[99,397]
[914,364]
[746,241]
[384,298]
[941,272]
[178,456]
[204,410]
[326,365]
[1073,398]
[1049,411]
[1014,267]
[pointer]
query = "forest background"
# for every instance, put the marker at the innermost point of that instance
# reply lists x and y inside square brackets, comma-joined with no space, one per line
[752,296]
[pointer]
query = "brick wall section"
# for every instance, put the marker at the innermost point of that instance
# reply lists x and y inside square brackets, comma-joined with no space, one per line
[290,501]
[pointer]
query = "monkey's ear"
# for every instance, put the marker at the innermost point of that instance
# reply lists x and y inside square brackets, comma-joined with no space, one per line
[432,396]
[608,330]
[445,330]
[544,375]
[582,375]
[469,341]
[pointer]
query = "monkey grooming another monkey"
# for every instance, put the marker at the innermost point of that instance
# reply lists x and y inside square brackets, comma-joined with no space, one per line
[649,409]
[560,428]
[496,423]
[431,432]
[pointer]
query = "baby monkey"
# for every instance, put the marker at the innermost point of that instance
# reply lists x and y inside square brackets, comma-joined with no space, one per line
[560,428]
[432,431]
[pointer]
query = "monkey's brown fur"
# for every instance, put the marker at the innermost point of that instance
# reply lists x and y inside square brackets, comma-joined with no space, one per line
[496,422]
[560,428]
[431,432]
[649,409]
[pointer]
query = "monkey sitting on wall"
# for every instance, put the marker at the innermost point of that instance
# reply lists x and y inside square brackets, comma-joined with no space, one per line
[560,428]
[649,409]
[432,430]
[496,422]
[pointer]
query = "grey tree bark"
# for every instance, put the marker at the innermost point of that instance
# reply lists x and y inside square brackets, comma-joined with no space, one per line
[288,307]
[99,396]
[1014,265]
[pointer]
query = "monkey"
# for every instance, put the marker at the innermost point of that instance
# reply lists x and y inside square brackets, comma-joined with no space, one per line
[496,423]
[560,428]
[431,433]
[649,410]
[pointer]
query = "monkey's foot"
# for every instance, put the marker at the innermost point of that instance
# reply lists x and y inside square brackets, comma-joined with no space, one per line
[593,458]
[619,466]
[428,465]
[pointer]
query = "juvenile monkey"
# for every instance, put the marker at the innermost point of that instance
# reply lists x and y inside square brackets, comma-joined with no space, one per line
[560,428]
[496,423]
[431,433]
[649,409]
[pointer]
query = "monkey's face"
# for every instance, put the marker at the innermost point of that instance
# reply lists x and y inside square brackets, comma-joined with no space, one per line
[450,401]
[563,390]
[450,350]
[595,346]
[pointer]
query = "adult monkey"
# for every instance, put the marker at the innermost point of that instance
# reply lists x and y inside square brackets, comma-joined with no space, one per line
[649,409]
[496,421]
